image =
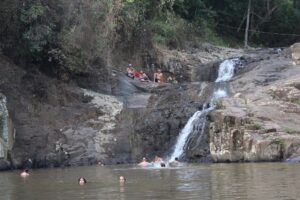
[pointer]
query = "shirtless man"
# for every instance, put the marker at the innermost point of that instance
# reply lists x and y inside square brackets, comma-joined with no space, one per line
[159,76]
[144,163]
[175,162]
[24,173]
[158,159]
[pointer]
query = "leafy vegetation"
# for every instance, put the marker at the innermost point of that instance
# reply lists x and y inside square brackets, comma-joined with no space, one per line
[297,101]
[254,126]
[290,131]
[38,30]
[218,104]
[279,141]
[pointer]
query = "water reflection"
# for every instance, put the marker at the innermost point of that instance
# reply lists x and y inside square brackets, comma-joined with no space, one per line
[215,181]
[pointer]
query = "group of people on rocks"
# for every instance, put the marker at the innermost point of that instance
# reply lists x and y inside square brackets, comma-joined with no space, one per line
[158,76]
[140,75]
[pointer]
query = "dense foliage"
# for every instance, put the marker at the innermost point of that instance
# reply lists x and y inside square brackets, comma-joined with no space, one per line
[46,32]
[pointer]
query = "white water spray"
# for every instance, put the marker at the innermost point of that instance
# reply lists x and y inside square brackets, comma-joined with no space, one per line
[226,70]
[225,73]
[184,134]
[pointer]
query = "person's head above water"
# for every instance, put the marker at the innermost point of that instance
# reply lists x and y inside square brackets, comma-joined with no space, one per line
[162,164]
[176,159]
[25,173]
[82,181]
[122,179]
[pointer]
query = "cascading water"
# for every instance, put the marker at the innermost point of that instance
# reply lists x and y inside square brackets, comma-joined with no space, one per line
[226,69]
[196,124]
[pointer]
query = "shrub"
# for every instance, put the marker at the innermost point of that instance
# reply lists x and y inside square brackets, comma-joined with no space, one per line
[279,141]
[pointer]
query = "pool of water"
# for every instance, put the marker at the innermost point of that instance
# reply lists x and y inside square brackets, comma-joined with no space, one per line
[194,181]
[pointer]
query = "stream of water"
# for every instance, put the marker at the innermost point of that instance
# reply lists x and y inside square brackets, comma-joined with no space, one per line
[196,123]
[276,181]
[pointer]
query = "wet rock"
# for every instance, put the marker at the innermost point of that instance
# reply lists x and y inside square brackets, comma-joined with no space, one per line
[5,165]
[293,159]
[153,129]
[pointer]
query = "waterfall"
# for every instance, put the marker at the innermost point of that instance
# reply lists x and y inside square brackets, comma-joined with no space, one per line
[197,122]
[226,70]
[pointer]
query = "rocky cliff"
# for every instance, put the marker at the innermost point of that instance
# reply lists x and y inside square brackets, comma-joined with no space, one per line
[260,122]
[58,123]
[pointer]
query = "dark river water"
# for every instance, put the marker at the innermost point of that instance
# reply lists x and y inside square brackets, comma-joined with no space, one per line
[202,181]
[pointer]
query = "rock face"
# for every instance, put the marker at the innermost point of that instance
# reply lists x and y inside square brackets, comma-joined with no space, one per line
[261,121]
[61,124]
[7,134]
[234,139]
[295,49]
[153,129]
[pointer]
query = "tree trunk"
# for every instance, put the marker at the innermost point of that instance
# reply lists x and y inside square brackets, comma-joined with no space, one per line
[247,24]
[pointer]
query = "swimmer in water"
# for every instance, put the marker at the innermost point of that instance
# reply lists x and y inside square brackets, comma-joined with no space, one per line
[158,159]
[175,162]
[82,181]
[122,180]
[144,163]
[25,173]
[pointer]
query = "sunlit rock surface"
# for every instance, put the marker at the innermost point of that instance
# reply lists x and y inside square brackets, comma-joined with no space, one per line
[260,122]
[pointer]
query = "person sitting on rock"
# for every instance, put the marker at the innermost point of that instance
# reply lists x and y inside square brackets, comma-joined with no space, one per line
[137,74]
[144,77]
[82,181]
[174,80]
[144,163]
[159,76]
[130,71]
[24,173]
